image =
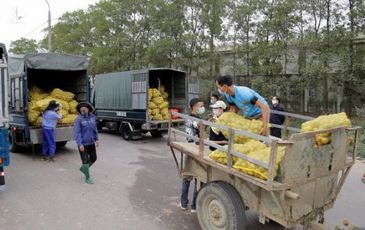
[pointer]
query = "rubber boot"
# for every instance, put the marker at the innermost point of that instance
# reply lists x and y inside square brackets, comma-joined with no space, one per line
[88,179]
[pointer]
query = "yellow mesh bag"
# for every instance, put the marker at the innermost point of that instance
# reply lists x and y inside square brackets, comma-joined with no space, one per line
[60,94]
[236,121]
[33,115]
[72,107]
[69,119]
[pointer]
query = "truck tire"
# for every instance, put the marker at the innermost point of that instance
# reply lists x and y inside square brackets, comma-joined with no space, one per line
[219,206]
[156,133]
[126,132]
[99,125]
[13,147]
[61,144]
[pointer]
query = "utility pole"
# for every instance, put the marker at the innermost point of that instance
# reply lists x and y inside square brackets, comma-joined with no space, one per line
[49,29]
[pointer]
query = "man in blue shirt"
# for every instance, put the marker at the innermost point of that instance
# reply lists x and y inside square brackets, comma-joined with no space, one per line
[252,104]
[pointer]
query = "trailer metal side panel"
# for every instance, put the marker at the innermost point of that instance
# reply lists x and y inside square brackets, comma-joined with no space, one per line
[113,91]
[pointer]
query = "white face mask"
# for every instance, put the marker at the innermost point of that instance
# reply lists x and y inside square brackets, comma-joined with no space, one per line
[201,110]
[213,100]
[216,112]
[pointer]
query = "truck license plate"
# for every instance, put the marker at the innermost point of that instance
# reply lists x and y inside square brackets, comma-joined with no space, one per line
[121,114]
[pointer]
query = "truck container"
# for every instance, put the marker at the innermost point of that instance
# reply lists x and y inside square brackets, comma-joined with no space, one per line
[4,142]
[45,71]
[121,99]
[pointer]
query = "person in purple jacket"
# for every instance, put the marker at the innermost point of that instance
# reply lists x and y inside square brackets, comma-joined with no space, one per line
[86,136]
[49,122]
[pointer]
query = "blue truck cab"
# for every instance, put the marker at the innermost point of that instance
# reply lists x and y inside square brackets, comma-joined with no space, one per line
[4,140]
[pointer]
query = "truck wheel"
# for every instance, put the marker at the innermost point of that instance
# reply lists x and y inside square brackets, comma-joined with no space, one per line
[155,133]
[61,144]
[219,206]
[99,125]
[13,146]
[126,132]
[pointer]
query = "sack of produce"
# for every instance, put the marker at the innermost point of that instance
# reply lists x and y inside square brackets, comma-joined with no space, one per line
[221,156]
[262,155]
[166,117]
[325,122]
[157,100]
[236,121]
[72,106]
[157,117]
[164,105]
[38,122]
[152,105]
[156,111]
[69,119]
[60,94]
[33,115]
[165,112]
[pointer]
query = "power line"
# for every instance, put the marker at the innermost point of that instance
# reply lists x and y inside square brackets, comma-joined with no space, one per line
[26,35]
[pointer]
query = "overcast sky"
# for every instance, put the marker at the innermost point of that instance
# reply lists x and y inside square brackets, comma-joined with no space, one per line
[27,18]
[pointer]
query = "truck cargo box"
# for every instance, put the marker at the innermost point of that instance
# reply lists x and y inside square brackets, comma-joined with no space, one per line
[45,71]
[122,98]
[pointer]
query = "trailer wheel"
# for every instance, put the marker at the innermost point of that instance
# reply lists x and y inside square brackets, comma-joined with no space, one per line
[13,147]
[126,132]
[61,144]
[155,133]
[219,206]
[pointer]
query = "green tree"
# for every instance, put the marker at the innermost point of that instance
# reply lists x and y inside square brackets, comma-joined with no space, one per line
[23,46]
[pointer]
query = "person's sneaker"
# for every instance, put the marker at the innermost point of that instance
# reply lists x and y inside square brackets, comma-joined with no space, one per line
[51,159]
[182,207]
[43,158]
[363,178]
[193,210]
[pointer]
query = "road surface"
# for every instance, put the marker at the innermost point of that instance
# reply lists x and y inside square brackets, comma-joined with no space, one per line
[136,187]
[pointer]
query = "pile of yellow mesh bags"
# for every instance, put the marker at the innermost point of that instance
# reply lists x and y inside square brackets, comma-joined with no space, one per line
[325,122]
[254,149]
[237,121]
[39,100]
[158,103]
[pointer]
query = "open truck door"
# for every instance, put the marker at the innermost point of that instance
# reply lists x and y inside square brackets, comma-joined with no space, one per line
[4,142]
[193,89]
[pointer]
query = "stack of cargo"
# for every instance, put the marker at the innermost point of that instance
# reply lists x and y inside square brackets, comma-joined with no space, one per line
[325,122]
[158,104]
[236,121]
[39,101]
[254,149]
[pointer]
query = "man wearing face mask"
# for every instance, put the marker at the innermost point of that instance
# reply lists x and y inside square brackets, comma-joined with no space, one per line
[86,136]
[276,118]
[215,135]
[252,104]
[214,98]
[192,128]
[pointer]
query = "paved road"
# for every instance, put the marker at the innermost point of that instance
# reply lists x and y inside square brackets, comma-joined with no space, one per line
[136,187]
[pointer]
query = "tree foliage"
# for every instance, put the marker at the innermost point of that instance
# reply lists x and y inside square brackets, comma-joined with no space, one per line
[284,47]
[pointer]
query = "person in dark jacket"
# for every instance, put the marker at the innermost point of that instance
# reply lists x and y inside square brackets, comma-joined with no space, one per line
[276,118]
[192,129]
[87,138]
[49,122]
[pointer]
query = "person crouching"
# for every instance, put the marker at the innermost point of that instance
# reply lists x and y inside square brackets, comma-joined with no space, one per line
[86,136]
[49,123]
